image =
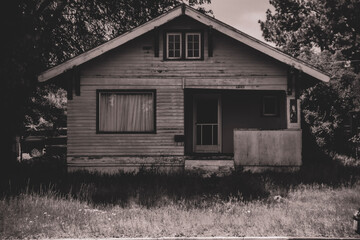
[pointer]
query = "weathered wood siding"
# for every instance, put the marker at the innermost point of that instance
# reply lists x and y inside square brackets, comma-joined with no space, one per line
[82,137]
[232,63]
[266,148]
[134,66]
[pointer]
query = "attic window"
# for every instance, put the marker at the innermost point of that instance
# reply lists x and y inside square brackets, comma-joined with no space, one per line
[183,46]
[173,46]
[193,45]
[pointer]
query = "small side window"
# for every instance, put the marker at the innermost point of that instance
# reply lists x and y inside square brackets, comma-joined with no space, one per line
[270,106]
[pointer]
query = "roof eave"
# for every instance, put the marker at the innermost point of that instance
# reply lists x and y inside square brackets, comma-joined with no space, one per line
[105,47]
[258,45]
[203,18]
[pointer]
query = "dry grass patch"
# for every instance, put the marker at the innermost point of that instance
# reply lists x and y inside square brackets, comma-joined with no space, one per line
[306,211]
[40,200]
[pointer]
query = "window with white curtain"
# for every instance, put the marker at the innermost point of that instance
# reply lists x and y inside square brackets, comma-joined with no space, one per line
[126,111]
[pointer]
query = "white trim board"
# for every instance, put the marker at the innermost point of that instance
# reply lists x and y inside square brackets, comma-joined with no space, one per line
[170,15]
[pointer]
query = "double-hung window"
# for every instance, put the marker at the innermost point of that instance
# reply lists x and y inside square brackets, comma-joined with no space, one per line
[183,45]
[174,45]
[126,111]
[193,45]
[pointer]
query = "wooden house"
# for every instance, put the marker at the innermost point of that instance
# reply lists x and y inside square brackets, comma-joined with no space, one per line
[184,90]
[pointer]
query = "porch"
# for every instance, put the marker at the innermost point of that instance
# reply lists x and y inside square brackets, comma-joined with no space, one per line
[252,129]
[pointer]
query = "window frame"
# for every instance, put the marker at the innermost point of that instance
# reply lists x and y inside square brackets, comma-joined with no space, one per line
[167,45]
[128,92]
[186,45]
[277,107]
[183,47]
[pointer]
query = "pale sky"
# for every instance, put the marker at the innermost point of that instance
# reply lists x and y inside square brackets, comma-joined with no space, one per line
[242,14]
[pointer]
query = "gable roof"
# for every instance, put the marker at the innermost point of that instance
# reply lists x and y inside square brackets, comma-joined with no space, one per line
[198,16]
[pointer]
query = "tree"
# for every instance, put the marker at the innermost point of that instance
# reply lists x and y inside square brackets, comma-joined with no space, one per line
[331,25]
[46,109]
[44,33]
[325,106]
[325,33]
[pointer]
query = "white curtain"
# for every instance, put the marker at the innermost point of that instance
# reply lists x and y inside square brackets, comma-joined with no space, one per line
[126,112]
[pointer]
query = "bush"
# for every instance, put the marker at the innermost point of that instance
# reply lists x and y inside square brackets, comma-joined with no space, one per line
[153,188]
[326,105]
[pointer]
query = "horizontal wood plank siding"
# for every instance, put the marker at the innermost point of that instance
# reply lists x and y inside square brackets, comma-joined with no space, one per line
[83,139]
[134,66]
[231,60]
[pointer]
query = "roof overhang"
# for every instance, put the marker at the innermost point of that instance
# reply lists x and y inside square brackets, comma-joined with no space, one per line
[203,18]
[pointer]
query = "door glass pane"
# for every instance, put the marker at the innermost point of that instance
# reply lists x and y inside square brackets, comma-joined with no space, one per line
[207,135]
[207,110]
[207,121]
[215,135]
[198,135]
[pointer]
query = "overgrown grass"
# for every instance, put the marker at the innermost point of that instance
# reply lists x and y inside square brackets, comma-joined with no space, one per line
[306,211]
[42,200]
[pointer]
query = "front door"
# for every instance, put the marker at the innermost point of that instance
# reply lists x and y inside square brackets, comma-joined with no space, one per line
[207,123]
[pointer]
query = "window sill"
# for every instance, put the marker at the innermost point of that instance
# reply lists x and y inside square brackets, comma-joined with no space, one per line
[101,132]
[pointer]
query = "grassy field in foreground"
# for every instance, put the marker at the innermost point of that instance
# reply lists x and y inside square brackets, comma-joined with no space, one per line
[306,210]
[39,199]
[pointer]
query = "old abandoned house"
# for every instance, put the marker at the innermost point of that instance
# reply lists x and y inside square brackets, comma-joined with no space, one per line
[180,91]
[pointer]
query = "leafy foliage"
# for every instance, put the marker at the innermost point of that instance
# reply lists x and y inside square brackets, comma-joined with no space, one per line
[44,33]
[47,108]
[325,106]
[325,34]
[328,25]
[64,29]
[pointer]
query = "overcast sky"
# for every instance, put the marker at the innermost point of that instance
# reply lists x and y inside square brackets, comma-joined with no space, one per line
[242,14]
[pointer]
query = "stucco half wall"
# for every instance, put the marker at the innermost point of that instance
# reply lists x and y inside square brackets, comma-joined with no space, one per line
[265,149]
